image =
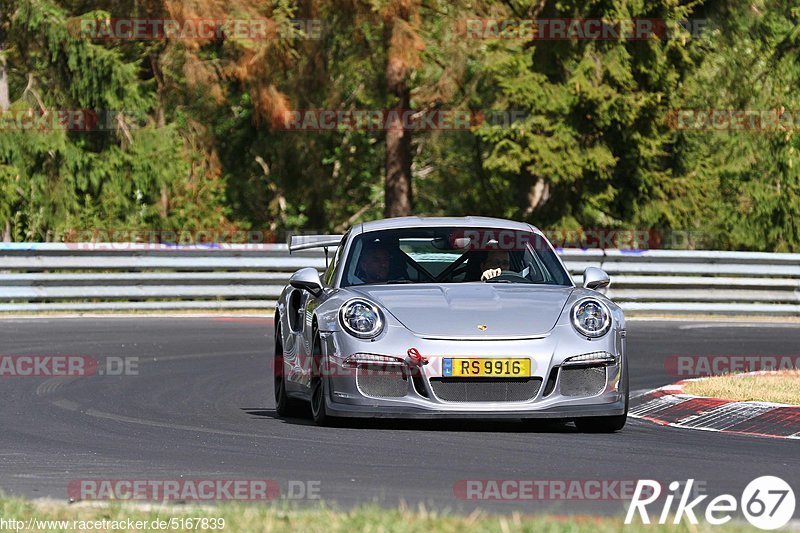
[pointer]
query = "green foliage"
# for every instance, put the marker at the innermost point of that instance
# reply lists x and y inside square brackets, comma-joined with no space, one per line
[57,181]
[746,182]
[593,136]
[581,133]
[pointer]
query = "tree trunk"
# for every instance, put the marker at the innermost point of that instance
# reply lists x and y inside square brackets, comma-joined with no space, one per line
[161,122]
[398,195]
[5,103]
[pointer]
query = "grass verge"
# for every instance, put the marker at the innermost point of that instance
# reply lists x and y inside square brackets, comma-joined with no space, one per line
[282,517]
[778,387]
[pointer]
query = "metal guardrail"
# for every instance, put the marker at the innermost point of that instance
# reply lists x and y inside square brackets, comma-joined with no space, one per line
[125,276]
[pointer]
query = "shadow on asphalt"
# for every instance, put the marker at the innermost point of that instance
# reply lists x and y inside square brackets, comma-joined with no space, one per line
[472,426]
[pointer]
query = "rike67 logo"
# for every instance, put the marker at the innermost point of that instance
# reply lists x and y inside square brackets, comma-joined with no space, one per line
[767,503]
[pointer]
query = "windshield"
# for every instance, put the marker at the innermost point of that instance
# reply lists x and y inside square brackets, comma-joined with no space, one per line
[452,255]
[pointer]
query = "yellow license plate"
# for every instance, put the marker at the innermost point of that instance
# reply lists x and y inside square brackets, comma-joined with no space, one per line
[473,367]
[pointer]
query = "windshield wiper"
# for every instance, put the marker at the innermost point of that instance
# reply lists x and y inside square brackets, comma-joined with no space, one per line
[399,281]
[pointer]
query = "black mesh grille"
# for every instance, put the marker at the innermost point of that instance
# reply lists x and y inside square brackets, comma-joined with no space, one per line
[583,381]
[486,389]
[382,382]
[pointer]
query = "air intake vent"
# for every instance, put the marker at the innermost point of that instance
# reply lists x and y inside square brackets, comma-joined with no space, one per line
[381,382]
[486,389]
[583,381]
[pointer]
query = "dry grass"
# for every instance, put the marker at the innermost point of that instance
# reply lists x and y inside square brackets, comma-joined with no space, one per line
[777,387]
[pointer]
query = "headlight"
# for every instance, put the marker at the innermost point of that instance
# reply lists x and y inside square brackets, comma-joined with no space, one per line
[361,319]
[591,318]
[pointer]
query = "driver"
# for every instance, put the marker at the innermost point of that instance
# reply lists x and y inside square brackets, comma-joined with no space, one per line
[494,264]
[374,263]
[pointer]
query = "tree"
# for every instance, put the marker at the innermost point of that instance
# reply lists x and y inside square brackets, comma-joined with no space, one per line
[593,144]
[403,45]
[747,177]
[59,180]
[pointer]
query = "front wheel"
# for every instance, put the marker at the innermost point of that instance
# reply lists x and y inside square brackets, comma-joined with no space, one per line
[601,424]
[284,406]
[607,424]
[319,389]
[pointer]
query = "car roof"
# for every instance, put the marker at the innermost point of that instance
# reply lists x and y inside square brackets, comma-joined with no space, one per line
[458,222]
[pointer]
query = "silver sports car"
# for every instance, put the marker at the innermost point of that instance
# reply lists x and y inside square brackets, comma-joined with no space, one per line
[448,317]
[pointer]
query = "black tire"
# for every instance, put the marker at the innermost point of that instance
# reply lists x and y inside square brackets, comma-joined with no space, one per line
[607,424]
[284,406]
[319,389]
[601,424]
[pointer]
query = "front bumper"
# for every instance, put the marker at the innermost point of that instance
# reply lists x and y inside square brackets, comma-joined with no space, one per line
[402,411]
[419,399]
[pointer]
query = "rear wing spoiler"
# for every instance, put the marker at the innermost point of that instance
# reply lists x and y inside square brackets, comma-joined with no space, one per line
[307,242]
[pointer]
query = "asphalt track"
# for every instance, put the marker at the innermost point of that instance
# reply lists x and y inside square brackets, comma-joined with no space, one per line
[201,407]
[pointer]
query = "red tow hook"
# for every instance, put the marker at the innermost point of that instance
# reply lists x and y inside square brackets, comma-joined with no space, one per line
[416,357]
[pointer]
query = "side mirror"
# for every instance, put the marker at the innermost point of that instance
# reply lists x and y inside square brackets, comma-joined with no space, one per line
[307,279]
[595,278]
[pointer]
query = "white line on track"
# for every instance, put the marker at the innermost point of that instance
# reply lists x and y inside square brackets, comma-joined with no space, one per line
[759,325]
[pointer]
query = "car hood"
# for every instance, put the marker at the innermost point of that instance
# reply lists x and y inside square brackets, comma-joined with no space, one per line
[457,310]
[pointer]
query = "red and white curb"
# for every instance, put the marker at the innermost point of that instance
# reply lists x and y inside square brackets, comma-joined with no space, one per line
[669,406]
